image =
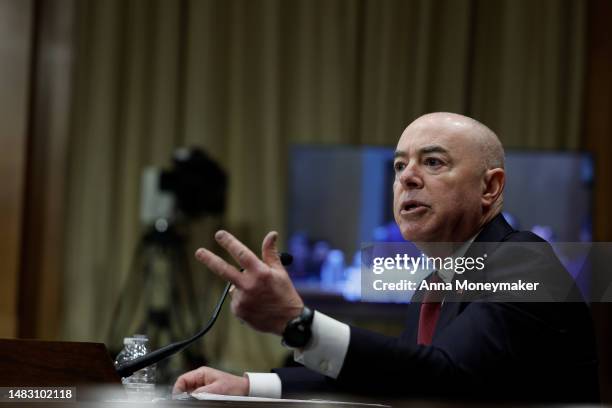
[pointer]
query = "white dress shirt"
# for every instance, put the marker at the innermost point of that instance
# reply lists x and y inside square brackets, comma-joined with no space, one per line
[325,354]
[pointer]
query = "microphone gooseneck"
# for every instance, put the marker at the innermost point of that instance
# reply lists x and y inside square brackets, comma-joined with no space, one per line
[130,367]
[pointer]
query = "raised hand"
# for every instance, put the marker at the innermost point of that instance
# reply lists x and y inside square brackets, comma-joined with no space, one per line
[263,295]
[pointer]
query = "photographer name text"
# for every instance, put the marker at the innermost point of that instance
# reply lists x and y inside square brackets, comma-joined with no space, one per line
[457,285]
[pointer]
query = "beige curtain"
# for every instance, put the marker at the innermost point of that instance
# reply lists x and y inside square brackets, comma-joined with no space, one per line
[244,79]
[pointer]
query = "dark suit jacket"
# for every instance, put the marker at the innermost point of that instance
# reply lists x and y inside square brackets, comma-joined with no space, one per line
[504,351]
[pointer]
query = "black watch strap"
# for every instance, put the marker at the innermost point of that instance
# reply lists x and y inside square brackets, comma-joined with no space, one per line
[298,331]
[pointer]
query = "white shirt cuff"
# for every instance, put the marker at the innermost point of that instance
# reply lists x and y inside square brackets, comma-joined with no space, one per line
[328,346]
[265,385]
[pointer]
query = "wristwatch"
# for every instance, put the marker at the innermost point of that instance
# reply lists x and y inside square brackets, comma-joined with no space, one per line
[298,331]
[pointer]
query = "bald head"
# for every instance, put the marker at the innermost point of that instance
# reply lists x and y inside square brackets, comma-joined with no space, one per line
[449,178]
[479,136]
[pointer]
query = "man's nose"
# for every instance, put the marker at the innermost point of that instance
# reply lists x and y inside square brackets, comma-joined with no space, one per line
[411,177]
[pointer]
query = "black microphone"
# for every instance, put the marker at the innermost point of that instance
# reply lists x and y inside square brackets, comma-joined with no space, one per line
[130,367]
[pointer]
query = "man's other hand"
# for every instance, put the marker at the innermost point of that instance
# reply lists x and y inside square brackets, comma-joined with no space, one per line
[206,379]
[263,295]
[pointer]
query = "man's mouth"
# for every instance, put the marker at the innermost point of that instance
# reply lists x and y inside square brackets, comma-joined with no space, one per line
[413,207]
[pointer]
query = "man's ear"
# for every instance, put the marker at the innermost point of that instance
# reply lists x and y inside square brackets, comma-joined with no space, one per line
[493,186]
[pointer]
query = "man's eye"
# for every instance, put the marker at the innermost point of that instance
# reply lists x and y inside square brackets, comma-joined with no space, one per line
[399,166]
[433,162]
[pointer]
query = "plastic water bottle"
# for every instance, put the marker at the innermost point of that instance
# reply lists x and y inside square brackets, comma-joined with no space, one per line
[141,384]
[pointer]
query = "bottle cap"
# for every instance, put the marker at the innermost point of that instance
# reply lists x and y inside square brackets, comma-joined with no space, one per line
[137,338]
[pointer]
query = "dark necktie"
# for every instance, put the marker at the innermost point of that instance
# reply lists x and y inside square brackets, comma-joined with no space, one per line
[430,312]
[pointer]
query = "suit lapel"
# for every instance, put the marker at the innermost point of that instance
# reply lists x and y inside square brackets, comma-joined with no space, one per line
[409,334]
[451,307]
[487,240]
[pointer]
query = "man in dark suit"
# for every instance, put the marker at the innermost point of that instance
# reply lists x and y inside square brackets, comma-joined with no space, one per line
[448,189]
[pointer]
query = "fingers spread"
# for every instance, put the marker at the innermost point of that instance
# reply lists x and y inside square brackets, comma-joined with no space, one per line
[238,251]
[220,267]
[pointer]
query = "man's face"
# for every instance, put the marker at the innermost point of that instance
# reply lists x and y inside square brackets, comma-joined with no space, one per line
[438,182]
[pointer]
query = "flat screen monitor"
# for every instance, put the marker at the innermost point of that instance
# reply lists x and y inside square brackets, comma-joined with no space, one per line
[340,197]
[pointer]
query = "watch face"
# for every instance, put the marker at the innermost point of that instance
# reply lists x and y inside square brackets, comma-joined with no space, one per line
[298,333]
[295,340]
